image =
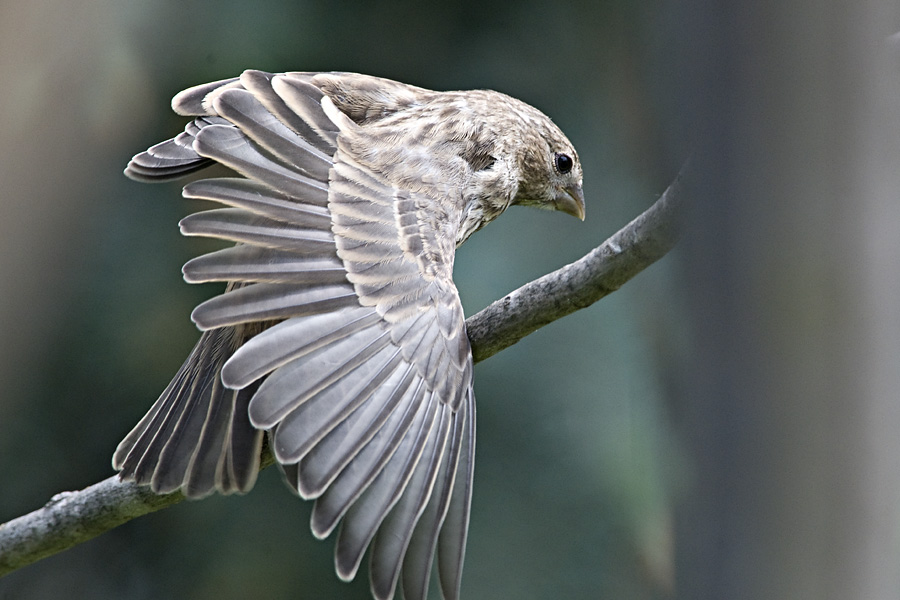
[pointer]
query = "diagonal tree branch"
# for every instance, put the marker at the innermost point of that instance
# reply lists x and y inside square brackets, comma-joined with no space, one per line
[70,518]
[600,272]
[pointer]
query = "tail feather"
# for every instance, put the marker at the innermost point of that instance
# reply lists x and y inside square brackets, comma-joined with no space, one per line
[197,436]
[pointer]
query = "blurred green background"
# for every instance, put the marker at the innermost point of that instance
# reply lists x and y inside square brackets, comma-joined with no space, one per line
[576,467]
[724,426]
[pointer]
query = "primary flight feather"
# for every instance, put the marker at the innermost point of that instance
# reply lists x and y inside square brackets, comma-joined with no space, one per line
[340,332]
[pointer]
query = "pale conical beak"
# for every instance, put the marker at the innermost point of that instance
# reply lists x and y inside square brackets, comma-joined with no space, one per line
[571,201]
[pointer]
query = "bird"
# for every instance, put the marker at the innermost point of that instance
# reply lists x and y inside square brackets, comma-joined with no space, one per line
[340,342]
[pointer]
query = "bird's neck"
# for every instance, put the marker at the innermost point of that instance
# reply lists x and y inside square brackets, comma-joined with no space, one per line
[477,213]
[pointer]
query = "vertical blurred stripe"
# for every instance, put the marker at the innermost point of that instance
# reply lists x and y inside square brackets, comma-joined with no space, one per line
[791,410]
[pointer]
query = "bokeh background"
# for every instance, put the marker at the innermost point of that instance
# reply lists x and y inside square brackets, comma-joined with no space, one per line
[724,426]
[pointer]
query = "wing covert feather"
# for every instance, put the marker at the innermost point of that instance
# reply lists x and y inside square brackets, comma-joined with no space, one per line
[389,275]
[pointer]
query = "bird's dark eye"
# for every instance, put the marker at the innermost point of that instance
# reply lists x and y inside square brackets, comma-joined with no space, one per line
[564,162]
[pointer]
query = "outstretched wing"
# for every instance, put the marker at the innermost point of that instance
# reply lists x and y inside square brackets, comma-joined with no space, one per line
[365,379]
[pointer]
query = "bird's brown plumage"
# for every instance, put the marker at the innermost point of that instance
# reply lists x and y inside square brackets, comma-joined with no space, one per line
[341,332]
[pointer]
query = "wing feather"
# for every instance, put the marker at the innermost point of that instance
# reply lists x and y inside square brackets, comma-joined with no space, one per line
[292,339]
[365,231]
[229,146]
[337,499]
[172,158]
[365,515]
[420,553]
[305,99]
[238,225]
[258,198]
[305,426]
[260,125]
[395,532]
[294,383]
[256,263]
[381,410]
[357,189]
[268,301]
[454,531]
[196,100]
[260,84]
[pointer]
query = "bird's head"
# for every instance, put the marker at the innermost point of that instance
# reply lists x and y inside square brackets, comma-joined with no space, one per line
[549,171]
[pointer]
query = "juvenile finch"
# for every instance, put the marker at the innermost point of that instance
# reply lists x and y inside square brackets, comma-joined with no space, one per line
[340,331]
